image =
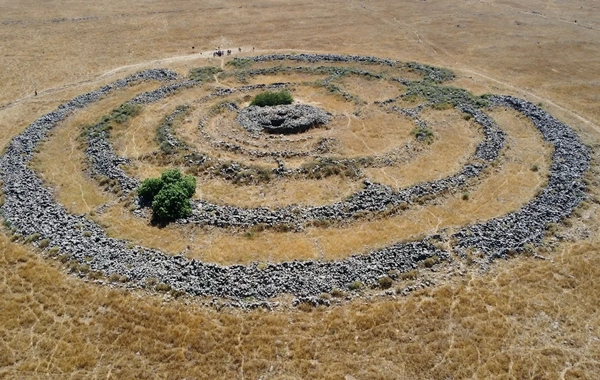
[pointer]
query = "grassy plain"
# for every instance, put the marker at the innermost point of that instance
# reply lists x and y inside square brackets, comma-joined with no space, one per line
[523,318]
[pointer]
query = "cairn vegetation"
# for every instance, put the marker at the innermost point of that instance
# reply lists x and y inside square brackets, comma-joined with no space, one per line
[272,98]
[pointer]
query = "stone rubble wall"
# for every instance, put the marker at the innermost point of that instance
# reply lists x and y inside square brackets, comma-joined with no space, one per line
[372,199]
[30,208]
[313,58]
[165,135]
[564,191]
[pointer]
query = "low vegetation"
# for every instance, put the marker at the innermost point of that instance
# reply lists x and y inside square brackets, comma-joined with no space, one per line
[423,134]
[119,115]
[442,97]
[240,63]
[204,74]
[431,73]
[326,167]
[272,98]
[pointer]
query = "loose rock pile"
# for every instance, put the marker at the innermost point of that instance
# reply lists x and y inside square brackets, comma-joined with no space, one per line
[564,191]
[282,119]
[165,136]
[30,209]
[312,58]
[105,163]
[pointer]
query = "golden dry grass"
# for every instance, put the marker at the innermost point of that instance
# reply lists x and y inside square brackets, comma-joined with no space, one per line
[454,141]
[137,138]
[523,319]
[307,192]
[61,161]
[368,91]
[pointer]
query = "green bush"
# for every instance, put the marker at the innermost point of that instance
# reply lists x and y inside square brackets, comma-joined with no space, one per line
[169,195]
[272,98]
[149,188]
[188,183]
[170,203]
[125,111]
[171,176]
[204,74]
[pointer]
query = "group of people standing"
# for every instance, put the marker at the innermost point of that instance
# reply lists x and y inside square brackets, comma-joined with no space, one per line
[219,53]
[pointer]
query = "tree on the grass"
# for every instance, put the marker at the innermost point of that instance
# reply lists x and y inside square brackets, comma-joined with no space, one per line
[169,194]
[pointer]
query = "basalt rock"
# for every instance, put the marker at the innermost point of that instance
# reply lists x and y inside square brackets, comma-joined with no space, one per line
[282,119]
[564,191]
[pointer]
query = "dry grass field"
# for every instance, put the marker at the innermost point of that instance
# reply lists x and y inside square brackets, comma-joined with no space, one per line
[533,316]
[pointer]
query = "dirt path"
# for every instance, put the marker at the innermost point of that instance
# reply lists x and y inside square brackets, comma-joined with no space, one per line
[181,58]
[537,97]
[208,54]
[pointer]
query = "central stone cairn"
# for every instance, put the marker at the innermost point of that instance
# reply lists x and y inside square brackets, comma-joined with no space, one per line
[282,119]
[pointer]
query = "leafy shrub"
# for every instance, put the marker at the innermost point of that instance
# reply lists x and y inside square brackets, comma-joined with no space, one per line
[171,203]
[188,183]
[169,195]
[149,188]
[385,282]
[272,98]
[171,176]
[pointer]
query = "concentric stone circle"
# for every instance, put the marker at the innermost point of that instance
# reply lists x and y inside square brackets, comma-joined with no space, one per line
[374,198]
[31,209]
